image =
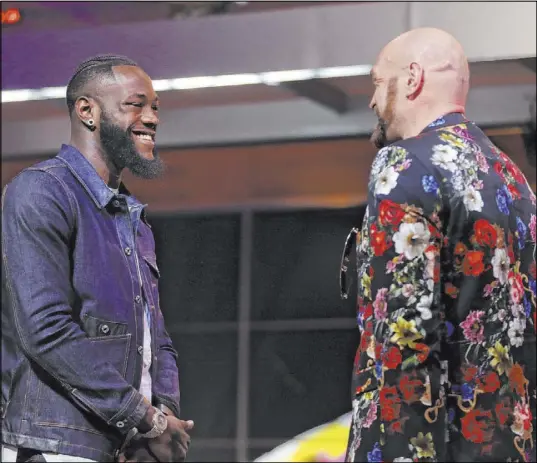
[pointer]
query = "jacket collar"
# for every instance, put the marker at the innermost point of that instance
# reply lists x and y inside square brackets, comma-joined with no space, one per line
[85,173]
[446,121]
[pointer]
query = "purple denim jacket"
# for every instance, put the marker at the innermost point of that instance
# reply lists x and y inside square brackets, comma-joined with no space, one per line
[78,263]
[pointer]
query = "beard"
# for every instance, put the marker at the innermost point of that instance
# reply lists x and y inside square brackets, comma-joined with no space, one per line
[380,137]
[119,147]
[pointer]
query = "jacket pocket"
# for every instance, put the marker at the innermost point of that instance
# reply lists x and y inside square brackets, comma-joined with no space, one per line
[151,260]
[100,328]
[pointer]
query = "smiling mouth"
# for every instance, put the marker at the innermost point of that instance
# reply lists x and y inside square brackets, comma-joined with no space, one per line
[144,137]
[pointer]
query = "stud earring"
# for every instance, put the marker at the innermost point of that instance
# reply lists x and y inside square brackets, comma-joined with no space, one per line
[91,124]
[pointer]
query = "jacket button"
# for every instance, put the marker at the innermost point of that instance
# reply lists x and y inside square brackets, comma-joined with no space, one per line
[115,202]
[105,329]
[138,299]
[128,251]
[140,350]
[120,424]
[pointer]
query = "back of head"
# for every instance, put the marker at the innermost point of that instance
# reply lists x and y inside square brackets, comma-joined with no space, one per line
[92,70]
[442,59]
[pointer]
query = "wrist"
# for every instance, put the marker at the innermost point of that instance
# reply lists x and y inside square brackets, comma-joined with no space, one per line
[147,421]
[167,411]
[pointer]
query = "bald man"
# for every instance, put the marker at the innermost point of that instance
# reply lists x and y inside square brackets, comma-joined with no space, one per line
[445,370]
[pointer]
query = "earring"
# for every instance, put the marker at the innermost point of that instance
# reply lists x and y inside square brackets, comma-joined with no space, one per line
[91,124]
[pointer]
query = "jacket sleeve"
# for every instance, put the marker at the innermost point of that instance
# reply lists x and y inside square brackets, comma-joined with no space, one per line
[400,307]
[166,376]
[38,221]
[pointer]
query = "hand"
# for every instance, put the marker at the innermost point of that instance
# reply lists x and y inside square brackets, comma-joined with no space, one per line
[173,444]
[137,452]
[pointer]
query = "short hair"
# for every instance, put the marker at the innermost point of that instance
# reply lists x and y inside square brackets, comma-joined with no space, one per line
[97,67]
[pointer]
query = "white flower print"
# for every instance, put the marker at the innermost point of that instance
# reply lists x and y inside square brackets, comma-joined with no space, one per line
[379,162]
[444,156]
[457,181]
[424,307]
[411,239]
[472,199]
[500,265]
[386,181]
[516,331]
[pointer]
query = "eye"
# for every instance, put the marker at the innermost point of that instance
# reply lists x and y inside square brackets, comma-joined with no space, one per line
[138,105]
[155,108]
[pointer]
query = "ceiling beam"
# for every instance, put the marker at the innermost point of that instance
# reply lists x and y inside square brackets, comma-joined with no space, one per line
[322,93]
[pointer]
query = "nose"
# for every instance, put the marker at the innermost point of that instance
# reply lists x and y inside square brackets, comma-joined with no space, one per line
[150,118]
[372,103]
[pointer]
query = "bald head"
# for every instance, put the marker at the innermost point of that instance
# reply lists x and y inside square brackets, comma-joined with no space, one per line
[418,74]
[438,53]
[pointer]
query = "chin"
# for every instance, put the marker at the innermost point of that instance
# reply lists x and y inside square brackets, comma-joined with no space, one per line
[149,155]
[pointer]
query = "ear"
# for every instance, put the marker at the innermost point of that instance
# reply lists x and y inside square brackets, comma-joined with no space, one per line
[87,111]
[414,83]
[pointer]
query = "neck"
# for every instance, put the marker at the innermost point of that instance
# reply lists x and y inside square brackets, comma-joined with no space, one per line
[94,153]
[422,119]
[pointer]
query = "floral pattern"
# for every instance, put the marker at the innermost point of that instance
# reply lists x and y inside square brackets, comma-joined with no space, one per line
[445,369]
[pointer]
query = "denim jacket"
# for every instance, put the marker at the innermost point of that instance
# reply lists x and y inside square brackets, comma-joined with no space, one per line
[78,263]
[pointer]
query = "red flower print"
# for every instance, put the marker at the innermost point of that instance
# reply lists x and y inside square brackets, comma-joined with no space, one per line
[514,191]
[460,249]
[490,383]
[411,389]
[390,406]
[472,265]
[469,373]
[392,358]
[517,288]
[379,242]
[365,339]
[366,311]
[485,234]
[517,380]
[498,168]
[514,171]
[503,411]
[423,351]
[477,426]
[397,426]
[436,274]
[390,213]
[451,290]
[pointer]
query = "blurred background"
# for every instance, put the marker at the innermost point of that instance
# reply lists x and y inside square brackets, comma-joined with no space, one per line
[264,128]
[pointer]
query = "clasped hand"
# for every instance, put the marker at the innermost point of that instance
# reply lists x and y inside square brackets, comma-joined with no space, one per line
[170,446]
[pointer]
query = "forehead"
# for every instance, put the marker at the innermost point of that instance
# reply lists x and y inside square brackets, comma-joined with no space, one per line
[129,80]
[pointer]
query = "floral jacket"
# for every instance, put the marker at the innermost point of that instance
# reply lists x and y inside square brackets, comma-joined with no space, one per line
[445,370]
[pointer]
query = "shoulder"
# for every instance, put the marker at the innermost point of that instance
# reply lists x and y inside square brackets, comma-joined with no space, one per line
[40,185]
[404,159]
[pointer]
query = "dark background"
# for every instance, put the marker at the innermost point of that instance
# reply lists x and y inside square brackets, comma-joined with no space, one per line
[301,335]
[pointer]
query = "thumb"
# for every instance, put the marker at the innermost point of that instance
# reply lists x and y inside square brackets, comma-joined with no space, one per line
[189,424]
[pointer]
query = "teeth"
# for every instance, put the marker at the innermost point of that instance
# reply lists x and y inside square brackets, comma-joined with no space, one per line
[144,136]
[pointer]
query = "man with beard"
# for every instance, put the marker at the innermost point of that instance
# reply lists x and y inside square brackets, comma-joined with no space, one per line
[445,370]
[89,372]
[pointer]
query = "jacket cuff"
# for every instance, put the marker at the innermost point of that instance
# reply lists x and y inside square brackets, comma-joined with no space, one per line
[132,414]
[159,400]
